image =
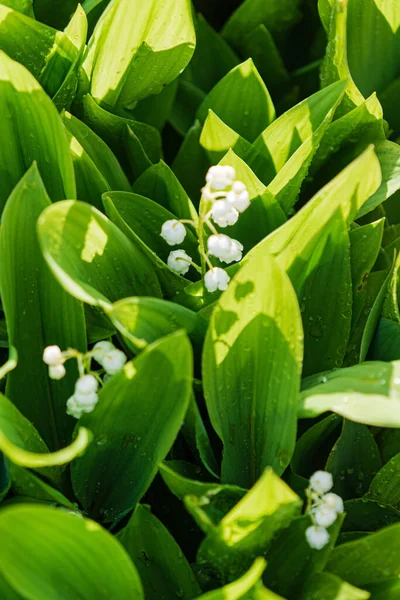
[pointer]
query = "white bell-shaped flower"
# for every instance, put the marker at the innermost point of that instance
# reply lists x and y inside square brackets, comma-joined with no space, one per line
[73,409]
[57,372]
[239,197]
[100,350]
[333,501]
[114,361]
[179,261]
[52,356]
[173,232]
[216,279]
[225,248]
[321,482]
[87,384]
[223,213]
[317,537]
[220,177]
[324,516]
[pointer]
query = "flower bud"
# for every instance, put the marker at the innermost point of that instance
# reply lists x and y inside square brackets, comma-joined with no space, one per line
[216,279]
[179,261]
[57,372]
[173,232]
[317,537]
[114,361]
[52,356]
[321,481]
[223,213]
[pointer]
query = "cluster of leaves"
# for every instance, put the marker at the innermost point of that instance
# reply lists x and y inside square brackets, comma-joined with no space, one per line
[188,478]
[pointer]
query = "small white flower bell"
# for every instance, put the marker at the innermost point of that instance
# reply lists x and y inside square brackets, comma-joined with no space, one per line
[56,372]
[324,516]
[87,384]
[73,409]
[239,197]
[225,248]
[114,361]
[317,537]
[333,501]
[321,482]
[179,261]
[52,356]
[220,177]
[173,232]
[216,279]
[223,213]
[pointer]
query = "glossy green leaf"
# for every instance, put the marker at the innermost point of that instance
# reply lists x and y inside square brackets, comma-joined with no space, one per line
[290,553]
[247,587]
[159,183]
[368,560]
[112,129]
[191,163]
[366,393]
[23,6]
[353,461]
[252,406]
[137,48]
[330,587]
[138,417]
[91,258]
[242,101]
[156,109]
[27,484]
[389,158]
[50,316]
[98,152]
[138,160]
[60,544]
[367,515]
[217,138]
[385,487]
[33,131]
[277,15]
[163,569]
[249,528]
[145,320]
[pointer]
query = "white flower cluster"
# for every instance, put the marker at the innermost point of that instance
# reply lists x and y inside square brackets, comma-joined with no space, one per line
[323,507]
[85,396]
[228,198]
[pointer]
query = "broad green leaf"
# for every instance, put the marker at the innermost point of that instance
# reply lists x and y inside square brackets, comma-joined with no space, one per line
[197,437]
[187,101]
[388,154]
[133,218]
[212,59]
[364,515]
[290,553]
[112,129]
[159,183]
[38,313]
[363,122]
[385,590]
[248,529]
[136,49]
[278,16]
[217,139]
[27,484]
[366,393]
[34,132]
[208,503]
[138,160]
[191,163]
[242,101]
[23,6]
[60,544]
[385,487]
[156,109]
[91,258]
[302,124]
[138,417]
[145,320]
[260,45]
[330,587]
[163,569]
[252,405]
[373,43]
[247,587]
[98,152]
[353,461]
[369,560]
[386,343]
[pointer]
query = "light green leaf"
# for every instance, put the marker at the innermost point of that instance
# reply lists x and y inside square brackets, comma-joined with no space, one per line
[33,130]
[388,154]
[366,393]
[252,406]
[242,101]
[136,49]
[91,258]
[163,569]
[38,313]
[137,419]
[27,484]
[23,6]
[249,528]
[60,544]
[330,587]
[217,139]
